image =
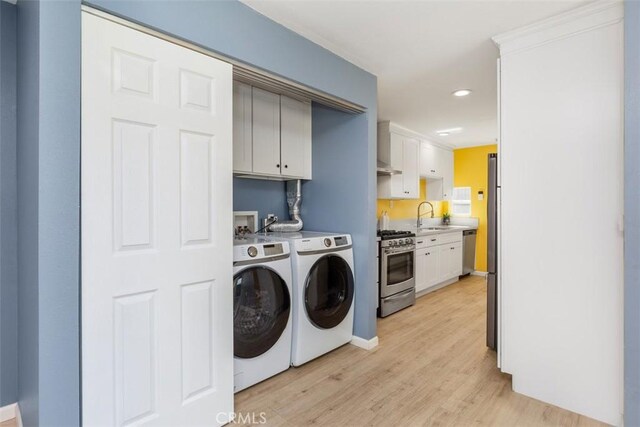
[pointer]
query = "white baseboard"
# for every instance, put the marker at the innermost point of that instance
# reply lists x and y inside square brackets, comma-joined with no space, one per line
[479,273]
[363,343]
[8,412]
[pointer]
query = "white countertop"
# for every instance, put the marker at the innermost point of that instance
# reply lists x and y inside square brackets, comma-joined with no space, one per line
[441,229]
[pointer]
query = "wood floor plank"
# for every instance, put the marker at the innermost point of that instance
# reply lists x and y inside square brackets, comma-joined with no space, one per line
[431,368]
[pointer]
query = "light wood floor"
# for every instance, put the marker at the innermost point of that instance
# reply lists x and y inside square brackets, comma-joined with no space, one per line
[430,368]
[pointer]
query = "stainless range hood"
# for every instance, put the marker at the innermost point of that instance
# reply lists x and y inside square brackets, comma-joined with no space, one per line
[385,169]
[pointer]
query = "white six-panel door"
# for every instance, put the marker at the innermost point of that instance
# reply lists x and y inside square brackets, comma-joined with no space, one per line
[157,338]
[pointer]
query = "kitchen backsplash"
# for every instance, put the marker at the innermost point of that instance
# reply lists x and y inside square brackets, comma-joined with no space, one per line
[404,209]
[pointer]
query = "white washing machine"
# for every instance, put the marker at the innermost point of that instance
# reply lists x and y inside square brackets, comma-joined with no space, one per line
[262,310]
[323,292]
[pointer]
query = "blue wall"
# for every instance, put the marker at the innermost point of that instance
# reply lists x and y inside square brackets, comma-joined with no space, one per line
[48,211]
[260,195]
[632,215]
[337,198]
[8,200]
[48,169]
[28,64]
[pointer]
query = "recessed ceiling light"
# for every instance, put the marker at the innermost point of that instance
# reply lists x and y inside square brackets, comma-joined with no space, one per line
[443,133]
[448,131]
[462,92]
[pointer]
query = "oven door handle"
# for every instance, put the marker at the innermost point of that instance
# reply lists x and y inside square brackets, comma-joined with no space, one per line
[400,295]
[399,252]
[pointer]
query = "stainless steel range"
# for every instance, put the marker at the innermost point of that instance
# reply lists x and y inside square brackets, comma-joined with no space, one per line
[397,271]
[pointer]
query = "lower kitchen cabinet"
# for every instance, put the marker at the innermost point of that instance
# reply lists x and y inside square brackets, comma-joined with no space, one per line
[450,261]
[427,269]
[441,261]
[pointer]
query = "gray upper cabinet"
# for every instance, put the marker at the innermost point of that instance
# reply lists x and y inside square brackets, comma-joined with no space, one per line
[272,135]
[242,128]
[266,132]
[295,138]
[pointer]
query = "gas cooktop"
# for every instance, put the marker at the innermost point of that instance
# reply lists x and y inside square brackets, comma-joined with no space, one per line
[394,234]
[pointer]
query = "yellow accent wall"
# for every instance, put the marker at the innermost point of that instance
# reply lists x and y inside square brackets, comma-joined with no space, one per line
[405,209]
[470,169]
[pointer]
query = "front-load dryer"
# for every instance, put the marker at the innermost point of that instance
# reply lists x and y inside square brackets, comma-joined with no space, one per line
[323,292]
[262,310]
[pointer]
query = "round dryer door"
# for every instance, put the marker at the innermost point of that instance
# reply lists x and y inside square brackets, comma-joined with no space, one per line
[328,292]
[261,305]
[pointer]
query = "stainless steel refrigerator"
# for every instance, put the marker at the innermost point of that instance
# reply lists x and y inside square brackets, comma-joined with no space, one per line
[492,253]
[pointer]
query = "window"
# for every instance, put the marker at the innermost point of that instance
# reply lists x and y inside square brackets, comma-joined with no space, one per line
[461,201]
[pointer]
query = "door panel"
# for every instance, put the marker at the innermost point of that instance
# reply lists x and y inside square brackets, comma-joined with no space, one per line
[411,164]
[295,139]
[266,132]
[156,261]
[432,266]
[242,128]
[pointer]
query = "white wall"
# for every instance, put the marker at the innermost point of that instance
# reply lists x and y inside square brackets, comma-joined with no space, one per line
[562,205]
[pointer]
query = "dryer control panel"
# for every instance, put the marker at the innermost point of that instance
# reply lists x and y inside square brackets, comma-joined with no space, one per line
[327,243]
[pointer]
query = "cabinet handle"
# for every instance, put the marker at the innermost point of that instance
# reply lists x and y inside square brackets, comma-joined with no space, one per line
[278,165]
[286,166]
[433,240]
[452,248]
[428,253]
[433,170]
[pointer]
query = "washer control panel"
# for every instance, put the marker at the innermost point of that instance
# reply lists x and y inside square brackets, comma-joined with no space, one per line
[258,249]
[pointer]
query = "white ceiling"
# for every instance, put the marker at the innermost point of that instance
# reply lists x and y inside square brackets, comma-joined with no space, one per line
[421,51]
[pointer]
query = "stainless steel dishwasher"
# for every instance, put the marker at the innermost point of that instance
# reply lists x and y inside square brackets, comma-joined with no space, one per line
[468,251]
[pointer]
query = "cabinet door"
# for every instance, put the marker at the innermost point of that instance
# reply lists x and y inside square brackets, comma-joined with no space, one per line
[410,168]
[431,266]
[421,276]
[428,160]
[266,132]
[456,259]
[242,133]
[295,138]
[450,261]
[397,154]
[446,162]
[434,189]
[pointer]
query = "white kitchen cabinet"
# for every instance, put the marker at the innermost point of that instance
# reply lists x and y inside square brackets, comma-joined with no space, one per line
[411,168]
[436,165]
[450,261]
[401,151]
[427,268]
[266,132]
[446,166]
[438,259]
[242,128]
[429,165]
[271,134]
[295,138]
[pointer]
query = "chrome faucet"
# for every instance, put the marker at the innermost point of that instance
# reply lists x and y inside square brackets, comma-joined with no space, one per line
[419,221]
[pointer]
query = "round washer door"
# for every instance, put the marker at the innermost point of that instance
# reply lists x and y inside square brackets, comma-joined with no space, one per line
[328,291]
[261,305]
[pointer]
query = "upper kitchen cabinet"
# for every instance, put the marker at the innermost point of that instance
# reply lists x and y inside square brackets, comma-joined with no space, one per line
[400,150]
[272,135]
[436,164]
